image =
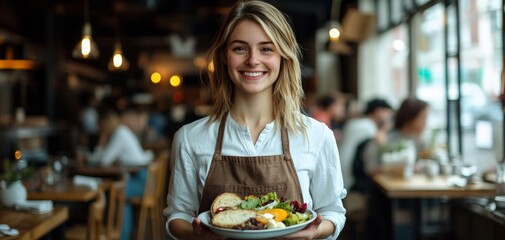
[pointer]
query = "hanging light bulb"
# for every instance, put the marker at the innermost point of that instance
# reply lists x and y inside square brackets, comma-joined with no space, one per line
[334,28]
[86,48]
[118,62]
[334,32]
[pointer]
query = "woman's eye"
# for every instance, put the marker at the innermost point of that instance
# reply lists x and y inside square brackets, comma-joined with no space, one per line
[239,49]
[267,49]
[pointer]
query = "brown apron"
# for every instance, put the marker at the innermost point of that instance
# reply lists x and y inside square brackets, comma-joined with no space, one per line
[251,175]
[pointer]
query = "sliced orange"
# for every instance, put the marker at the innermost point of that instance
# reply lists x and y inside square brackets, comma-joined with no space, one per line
[278,213]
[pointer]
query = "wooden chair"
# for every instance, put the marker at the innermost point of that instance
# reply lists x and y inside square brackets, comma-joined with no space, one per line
[115,210]
[149,203]
[94,228]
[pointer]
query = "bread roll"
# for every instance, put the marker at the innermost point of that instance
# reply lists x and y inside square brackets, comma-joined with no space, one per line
[225,201]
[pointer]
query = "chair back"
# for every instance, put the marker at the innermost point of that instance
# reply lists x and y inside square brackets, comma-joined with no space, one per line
[95,217]
[162,157]
[115,210]
[152,182]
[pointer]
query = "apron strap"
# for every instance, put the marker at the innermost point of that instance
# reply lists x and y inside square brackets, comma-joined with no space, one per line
[285,143]
[220,134]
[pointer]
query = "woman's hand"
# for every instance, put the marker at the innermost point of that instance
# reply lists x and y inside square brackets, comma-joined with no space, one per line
[196,230]
[202,232]
[312,231]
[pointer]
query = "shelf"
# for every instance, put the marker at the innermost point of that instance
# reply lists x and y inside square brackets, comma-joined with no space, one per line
[12,64]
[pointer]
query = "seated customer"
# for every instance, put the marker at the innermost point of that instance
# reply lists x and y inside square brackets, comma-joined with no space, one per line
[409,125]
[118,144]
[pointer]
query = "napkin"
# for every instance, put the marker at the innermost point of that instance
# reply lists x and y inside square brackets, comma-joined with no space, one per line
[91,182]
[35,206]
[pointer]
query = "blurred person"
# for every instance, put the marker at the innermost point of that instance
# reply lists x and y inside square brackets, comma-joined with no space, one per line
[256,139]
[136,120]
[377,113]
[118,144]
[331,111]
[89,119]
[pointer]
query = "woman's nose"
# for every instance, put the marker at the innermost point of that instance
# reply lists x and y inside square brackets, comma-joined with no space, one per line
[253,58]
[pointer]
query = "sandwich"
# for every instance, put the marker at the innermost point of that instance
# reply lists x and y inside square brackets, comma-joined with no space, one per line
[225,201]
[237,219]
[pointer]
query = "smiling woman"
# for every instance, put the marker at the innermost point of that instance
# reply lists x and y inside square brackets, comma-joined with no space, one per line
[263,143]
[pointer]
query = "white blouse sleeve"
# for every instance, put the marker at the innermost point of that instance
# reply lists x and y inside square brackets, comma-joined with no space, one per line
[327,186]
[182,199]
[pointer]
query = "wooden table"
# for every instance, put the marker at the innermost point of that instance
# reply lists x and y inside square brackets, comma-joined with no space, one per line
[64,192]
[420,188]
[30,225]
[115,172]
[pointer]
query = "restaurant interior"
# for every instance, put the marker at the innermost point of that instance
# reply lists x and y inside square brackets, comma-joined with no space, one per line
[60,59]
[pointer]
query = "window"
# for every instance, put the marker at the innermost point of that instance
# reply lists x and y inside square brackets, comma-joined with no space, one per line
[429,63]
[396,11]
[481,66]
[383,14]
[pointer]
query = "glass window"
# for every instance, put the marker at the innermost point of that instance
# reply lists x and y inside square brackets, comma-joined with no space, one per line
[396,11]
[383,14]
[481,66]
[384,66]
[429,67]
[429,62]
[451,30]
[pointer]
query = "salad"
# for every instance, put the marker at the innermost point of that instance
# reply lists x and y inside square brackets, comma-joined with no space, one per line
[275,212]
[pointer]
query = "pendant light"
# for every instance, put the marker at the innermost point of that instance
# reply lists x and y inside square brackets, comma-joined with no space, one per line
[86,48]
[118,62]
[334,28]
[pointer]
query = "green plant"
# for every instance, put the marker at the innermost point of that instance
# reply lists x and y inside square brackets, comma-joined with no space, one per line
[16,172]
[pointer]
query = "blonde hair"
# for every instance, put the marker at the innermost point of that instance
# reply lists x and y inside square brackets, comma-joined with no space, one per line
[287,89]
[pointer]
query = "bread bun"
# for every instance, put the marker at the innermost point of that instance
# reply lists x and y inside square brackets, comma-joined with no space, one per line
[233,218]
[225,201]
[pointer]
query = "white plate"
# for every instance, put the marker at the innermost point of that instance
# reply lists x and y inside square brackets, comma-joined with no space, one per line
[254,234]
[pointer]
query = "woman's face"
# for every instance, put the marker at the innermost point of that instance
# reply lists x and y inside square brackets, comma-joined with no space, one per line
[419,123]
[252,59]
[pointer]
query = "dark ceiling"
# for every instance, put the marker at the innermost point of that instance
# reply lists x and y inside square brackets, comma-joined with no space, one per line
[142,25]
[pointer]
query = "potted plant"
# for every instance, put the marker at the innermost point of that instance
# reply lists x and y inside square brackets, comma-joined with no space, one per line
[12,189]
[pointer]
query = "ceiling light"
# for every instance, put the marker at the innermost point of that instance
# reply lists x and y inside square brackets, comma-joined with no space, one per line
[118,62]
[334,28]
[86,48]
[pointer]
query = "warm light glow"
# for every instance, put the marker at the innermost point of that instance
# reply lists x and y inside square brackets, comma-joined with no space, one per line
[334,34]
[18,154]
[155,77]
[117,60]
[85,46]
[175,81]
[200,62]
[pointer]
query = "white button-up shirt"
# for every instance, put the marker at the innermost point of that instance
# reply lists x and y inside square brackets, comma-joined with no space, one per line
[316,161]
